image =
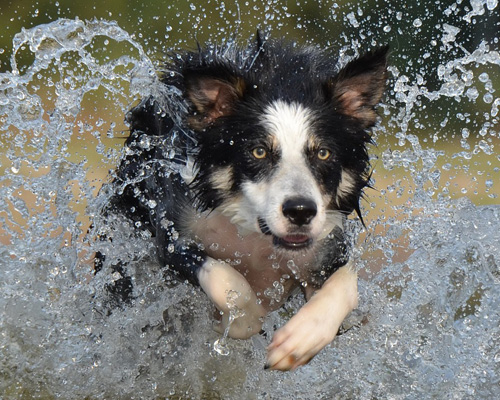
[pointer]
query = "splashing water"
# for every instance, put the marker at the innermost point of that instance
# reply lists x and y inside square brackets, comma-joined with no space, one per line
[220,345]
[428,324]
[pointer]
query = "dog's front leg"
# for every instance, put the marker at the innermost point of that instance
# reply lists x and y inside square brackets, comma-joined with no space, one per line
[316,324]
[230,292]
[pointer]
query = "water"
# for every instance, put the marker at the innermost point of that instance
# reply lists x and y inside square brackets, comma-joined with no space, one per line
[428,324]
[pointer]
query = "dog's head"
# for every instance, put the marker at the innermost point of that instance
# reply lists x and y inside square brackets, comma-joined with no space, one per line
[282,136]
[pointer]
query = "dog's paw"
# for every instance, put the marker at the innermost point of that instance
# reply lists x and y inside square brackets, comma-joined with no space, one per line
[297,342]
[316,323]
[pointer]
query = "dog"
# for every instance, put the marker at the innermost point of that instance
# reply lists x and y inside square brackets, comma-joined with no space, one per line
[246,186]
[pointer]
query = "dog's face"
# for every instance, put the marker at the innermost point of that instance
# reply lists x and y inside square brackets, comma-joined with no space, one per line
[291,190]
[282,143]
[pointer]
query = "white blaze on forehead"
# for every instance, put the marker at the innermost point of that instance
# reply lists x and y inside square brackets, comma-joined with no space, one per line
[290,124]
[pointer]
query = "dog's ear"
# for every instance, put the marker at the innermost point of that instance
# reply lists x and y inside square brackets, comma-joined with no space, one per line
[359,86]
[213,97]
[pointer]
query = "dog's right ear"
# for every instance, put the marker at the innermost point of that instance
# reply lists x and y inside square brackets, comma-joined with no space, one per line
[213,97]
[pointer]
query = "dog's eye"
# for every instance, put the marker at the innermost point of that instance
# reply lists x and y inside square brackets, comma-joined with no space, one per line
[324,154]
[259,153]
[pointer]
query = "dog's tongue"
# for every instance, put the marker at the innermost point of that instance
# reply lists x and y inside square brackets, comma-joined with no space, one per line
[292,241]
[295,239]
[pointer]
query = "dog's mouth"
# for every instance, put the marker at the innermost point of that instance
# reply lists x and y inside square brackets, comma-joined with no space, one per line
[294,241]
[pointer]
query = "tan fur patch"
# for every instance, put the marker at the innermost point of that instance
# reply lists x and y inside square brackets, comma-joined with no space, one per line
[222,179]
[346,184]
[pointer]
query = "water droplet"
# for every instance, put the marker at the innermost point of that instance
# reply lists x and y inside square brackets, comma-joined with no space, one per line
[488,98]
[221,347]
[352,20]
[484,77]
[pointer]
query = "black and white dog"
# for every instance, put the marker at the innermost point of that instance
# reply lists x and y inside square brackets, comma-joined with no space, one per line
[247,192]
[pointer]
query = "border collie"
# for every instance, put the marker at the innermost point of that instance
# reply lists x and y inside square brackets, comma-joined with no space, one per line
[246,188]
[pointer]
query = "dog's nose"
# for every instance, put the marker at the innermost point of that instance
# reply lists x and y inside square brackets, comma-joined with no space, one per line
[299,210]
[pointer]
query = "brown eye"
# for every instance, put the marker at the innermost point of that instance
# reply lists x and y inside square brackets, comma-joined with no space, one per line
[259,153]
[324,154]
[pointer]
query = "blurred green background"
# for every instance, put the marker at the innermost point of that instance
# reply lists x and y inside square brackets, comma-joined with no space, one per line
[410,28]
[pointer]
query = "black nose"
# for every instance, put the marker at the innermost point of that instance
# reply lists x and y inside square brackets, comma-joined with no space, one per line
[299,210]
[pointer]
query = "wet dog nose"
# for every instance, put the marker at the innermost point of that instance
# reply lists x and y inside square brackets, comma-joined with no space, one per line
[299,210]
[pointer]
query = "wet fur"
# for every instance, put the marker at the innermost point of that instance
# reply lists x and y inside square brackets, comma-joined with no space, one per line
[249,187]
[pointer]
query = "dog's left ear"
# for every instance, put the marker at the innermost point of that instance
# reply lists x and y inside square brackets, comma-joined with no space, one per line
[212,96]
[359,86]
